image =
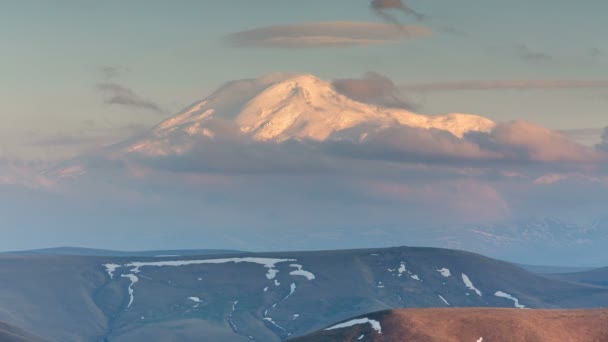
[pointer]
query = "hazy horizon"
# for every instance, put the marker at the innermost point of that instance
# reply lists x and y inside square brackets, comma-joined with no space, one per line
[269,126]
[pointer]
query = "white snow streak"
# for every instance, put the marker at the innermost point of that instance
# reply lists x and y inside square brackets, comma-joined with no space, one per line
[268,319]
[469,284]
[443,299]
[375,324]
[269,263]
[301,272]
[133,278]
[508,296]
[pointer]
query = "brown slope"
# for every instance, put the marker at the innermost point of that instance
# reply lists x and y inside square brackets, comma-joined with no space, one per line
[475,324]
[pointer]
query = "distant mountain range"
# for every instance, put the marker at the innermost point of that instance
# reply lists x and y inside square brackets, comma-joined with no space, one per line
[473,324]
[258,296]
[539,241]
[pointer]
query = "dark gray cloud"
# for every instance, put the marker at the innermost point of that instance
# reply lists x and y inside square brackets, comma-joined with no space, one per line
[338,34]
[505,85]
[383,9]
[117,94]
[373,88]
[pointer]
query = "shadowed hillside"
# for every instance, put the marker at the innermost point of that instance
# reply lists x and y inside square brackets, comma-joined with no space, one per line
[597,276]
[258,296]
[9,333]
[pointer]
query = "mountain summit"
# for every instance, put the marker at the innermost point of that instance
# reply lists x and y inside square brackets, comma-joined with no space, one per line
[281,107]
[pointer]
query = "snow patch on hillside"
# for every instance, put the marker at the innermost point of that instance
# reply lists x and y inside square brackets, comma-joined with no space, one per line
[444,272]
[268,263]
[195,299]
[134,279]
[469,284]
[301,272]
[110,268]
[508,296]
[375,324]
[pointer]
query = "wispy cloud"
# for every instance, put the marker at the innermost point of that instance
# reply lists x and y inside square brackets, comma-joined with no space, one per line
[339,34]
[382,8]
[112,71]
[117,94]
[525,53]
[506,85]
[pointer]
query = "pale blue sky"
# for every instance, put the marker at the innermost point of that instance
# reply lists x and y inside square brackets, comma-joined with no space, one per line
[52,51]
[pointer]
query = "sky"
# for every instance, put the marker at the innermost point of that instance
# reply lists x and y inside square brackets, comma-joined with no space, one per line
[84,83]
[173,54]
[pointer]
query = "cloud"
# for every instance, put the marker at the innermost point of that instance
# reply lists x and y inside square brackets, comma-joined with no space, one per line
[603,145]
[117,94]
[583,136]
[112,71]
[373,88]
[505,85]
[382,8]
[238,156]
[527,54]
[514,143]
[596,52]
[522,140]
[325,35]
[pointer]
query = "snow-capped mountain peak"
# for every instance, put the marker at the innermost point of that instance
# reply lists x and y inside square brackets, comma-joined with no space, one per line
[281,107]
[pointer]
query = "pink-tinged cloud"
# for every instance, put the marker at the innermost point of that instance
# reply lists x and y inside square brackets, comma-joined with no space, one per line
[553,178]
[338,34]
[521,139]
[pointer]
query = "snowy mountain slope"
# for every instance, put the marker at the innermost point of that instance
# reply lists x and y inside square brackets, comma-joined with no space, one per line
[283,107]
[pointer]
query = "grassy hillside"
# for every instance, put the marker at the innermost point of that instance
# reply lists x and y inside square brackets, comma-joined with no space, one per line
[471,324]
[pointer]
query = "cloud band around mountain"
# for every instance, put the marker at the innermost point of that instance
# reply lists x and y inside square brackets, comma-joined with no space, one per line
[506,85]
[339,34]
